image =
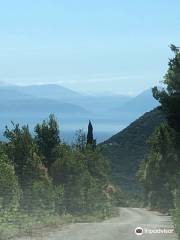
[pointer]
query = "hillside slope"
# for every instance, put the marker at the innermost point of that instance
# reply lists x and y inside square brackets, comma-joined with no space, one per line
[127,148]
[140,104]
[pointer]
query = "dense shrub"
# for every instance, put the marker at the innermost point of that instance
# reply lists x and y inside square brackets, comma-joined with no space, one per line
[38,196]
[9,189]
[83,175]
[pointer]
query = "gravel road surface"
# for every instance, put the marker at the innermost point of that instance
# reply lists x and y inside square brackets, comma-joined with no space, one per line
[155,227]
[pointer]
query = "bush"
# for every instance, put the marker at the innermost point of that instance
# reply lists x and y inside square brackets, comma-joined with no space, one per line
[176,211]
[9,189]
[38,196]
[59,199]
[83,175]
[176,220]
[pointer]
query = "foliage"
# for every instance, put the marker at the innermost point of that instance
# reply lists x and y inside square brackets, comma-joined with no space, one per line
[41,176]
[158,169]
[126,150]
[91,142]
[176,211]
[170,96]
[59,199]
[159,172]
[176,219]
[90,137]
[80,140]
[47,138]
[83,175]
[15,224]
[23,154]
[66,165]
[38,196]
[9,189]
[97,164]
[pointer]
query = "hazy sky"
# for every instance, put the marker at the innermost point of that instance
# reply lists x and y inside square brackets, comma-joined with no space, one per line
[88,45]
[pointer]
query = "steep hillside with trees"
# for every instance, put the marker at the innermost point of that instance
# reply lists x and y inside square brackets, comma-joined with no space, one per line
[126,149]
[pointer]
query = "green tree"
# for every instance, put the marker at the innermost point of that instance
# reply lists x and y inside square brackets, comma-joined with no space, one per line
[22,152]
[83,174]
[91,142]
[174,48]
[157,172]
[90,134]
[176,211]
[169,97]
[9,188]
[68,164]
[80,140]
[97,164]
[39,196]
[47,138]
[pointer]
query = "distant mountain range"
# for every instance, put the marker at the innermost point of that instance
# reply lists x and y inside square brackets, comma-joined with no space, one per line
[30,104]
[140,104]
[50,91]
[38,99]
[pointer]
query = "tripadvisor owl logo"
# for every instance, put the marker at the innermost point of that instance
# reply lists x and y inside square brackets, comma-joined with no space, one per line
[139,231]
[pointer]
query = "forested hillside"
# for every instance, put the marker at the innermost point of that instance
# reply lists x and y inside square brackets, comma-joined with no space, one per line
[126,149]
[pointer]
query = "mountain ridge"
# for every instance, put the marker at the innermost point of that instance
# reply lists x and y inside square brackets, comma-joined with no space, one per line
[30,104]
[126,149]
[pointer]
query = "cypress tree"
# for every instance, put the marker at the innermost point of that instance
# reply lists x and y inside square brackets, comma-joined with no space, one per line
[90,138]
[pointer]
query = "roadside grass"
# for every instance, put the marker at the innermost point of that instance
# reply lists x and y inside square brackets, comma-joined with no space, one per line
[176,220]
[97,216]
[19,224]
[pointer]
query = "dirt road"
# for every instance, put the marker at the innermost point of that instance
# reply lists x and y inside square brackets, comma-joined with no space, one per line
[119,228]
